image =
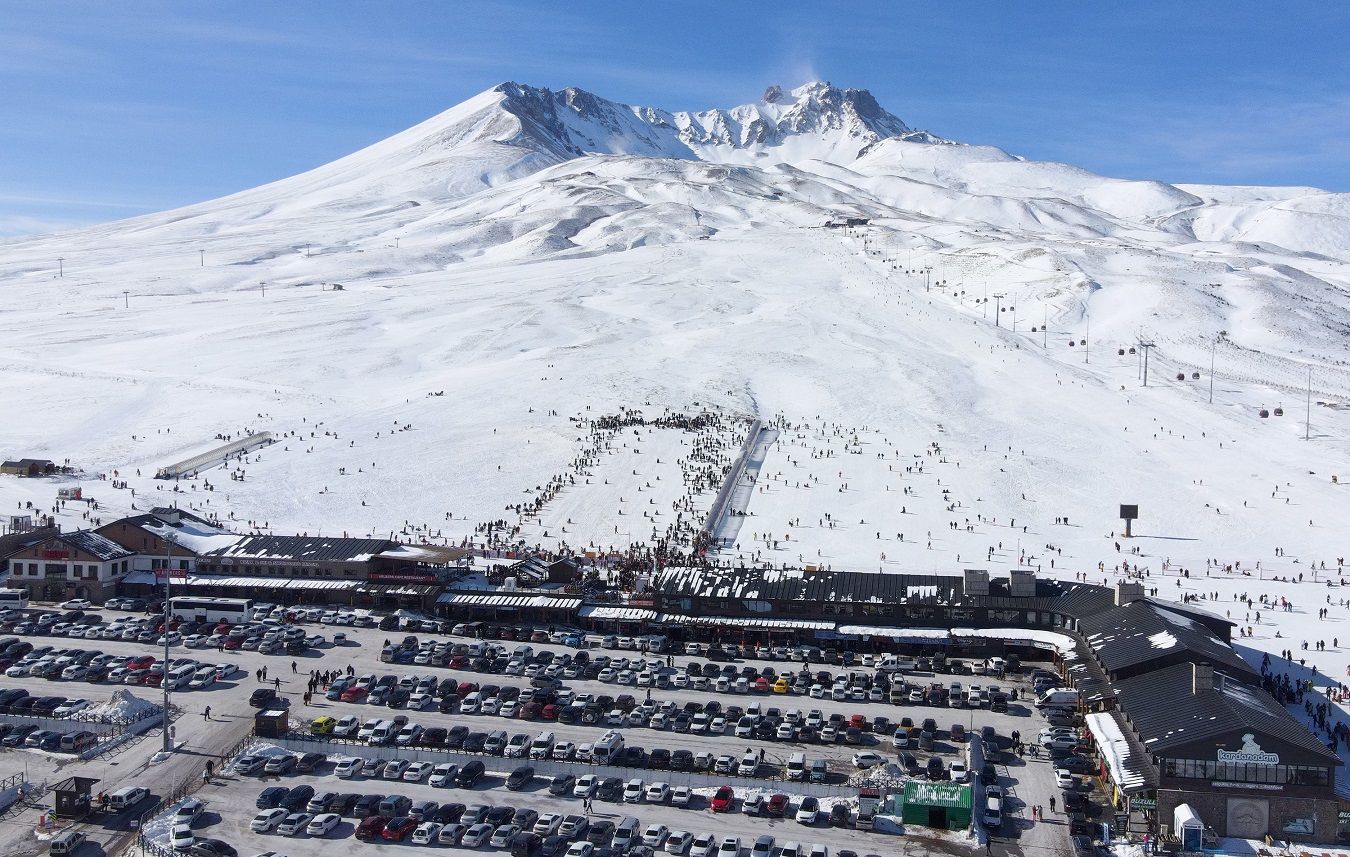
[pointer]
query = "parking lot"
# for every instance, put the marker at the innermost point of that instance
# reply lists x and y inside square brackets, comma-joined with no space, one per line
[1028,782]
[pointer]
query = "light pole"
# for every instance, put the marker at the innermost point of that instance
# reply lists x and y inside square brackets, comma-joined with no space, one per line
[1213,346]
[167,749]
[126,298]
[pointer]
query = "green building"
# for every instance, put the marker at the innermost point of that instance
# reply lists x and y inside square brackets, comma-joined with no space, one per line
[945,806]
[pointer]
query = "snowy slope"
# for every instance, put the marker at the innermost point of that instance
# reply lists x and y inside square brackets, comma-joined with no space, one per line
[533,254]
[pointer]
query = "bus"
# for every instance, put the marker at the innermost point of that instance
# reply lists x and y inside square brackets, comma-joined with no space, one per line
[234,611]
[13,599]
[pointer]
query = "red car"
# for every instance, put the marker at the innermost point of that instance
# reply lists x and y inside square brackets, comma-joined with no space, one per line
[397,828]
[371,827]
[550,712]
[761,685]
[722,799]
[778,805]
[458,662]
[141,662]
[466,688]
[355,694]
[858,720]
[233,644]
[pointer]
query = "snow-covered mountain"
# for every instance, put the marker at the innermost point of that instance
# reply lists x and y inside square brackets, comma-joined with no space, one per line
[531,254]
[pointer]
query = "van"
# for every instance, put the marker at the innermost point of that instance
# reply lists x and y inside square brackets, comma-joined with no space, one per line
[127,797]
[203,677]
[395,805]
[627,834]
[384,733]
[866,816]
[541,746]
[496,742]
[180,676]
[607,749]
[67,841]
[796,766]
[820,771]
[1058,696]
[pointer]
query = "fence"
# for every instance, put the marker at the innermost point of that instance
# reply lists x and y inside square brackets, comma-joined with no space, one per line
[549,768]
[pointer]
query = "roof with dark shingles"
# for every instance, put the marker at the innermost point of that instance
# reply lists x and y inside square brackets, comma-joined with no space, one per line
[1140,632]
[1164,710]
[304,548]
[92,543]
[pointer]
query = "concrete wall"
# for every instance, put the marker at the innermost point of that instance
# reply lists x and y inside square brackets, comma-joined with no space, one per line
[1226,810]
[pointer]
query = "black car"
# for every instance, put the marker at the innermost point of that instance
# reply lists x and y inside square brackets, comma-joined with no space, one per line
[271,797]
[839,815]
[474,741]
[526,844]
[601,832]
[211,848]
[262,697]
[520,778]
[610,788]
[344,803]
[366,806]
[682,760]
[311,761]
[659,758]
[525,817]
[447,814]
[555,846]
[633,757]
[499,815]
[470,774]
[1074,765]
[454,739]
[298,798]
[562,785]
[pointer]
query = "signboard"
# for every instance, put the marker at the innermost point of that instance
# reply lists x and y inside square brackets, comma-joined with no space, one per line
[401,577]
[1250,753]
[172,573]
[1143,803]
[55,554]
[869,798]
[1129,512]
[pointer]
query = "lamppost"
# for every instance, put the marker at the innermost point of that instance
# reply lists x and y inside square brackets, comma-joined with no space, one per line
[167,749]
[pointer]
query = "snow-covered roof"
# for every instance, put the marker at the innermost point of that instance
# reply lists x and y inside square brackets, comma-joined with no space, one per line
[1128,764]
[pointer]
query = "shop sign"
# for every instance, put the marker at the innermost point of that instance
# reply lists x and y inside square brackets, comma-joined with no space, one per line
[401,577]
[641,602]
[1343,816]
[1143,803]
[55,554]
[1250,754]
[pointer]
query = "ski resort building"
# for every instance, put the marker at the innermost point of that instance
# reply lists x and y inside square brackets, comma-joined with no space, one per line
[81,564]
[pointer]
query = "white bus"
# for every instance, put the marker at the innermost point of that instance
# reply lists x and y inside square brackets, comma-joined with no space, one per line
[235,611]
[13,599]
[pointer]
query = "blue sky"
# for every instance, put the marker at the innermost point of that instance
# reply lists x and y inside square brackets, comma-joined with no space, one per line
[108,110]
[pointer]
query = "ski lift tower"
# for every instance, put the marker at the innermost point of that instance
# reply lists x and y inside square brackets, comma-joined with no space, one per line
[1129,514]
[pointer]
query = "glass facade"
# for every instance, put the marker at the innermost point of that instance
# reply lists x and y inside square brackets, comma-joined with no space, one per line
[1233,772]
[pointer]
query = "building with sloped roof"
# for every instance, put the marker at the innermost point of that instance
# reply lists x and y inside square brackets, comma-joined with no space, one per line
[1227,748]
[1144,636]
[82,564]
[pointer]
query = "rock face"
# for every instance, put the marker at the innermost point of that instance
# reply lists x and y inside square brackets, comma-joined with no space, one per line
[818,121]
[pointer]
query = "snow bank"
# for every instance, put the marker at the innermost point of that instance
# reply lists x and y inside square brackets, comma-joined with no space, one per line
[123,707]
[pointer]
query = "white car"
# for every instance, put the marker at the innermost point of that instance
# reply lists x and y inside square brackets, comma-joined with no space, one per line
[294,823]
[443,775]
[267,820]
[66,709]
[703,845]
[195,641]
[427,833]
[349,768]
[182,837]
[502,836]
[323,824]
[655,835]
[173,638]
[678,842]
[959,772]
[417,772]
[658,793]
[188,811]
[868,759]
[681,796]
[76,604]
[586,786]
[580,849]
[633,791]
[1064,779]
[730,847]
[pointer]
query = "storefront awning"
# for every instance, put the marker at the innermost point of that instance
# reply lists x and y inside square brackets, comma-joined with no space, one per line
[148,578]
[623,614]
[462,599]
[758,624]
[1129,767]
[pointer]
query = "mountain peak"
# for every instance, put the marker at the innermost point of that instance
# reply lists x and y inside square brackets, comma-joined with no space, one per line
[816,120]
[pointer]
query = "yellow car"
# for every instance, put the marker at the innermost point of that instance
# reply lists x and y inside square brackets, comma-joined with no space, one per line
[780,686]
[322,725]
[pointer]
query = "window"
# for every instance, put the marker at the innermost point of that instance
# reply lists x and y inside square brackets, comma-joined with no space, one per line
[79,570]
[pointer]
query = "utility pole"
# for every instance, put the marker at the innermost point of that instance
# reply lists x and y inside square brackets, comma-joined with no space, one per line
[1146,346]
[264,289]
[166,751]
[998,307]
[202,253]
[1085,338]
[1213,346]
[1307,431]
[395,243]
[306,249]
[126,298]
[60,266]
[1045,327]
